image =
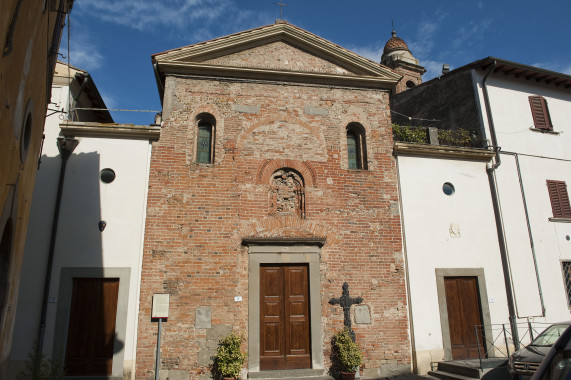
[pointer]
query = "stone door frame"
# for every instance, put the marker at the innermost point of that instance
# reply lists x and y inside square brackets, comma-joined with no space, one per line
[443,307]
[283,254]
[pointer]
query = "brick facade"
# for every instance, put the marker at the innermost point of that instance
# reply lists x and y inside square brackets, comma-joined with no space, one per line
[199,214]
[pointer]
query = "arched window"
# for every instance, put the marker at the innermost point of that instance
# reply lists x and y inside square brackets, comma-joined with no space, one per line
[356,147]
[205,138]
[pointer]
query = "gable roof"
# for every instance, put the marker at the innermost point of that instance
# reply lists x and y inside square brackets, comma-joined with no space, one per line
[190,60]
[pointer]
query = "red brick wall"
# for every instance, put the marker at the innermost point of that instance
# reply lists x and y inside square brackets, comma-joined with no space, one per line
[198,214]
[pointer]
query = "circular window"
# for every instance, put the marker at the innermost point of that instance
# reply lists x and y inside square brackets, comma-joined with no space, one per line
[410,84]
[448,188]
[107,175]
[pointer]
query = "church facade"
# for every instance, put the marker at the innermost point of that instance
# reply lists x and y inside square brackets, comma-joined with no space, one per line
[273,183]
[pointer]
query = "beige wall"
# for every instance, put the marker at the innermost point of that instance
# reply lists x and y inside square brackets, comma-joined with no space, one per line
[23,74]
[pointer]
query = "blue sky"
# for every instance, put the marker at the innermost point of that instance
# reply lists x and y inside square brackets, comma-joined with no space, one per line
[114,39]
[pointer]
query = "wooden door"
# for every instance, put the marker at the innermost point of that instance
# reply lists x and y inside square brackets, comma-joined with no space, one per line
[284,317]
[91,331]
[464,312]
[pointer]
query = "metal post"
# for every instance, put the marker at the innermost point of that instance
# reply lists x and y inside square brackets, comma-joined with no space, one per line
[158,362]
[478,340]
[506,339]
[530,330]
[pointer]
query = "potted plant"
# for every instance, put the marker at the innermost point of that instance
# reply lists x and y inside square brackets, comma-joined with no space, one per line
[229,356]
[347,354]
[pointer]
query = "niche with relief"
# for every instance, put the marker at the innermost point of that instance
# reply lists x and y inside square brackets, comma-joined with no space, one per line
[287,193]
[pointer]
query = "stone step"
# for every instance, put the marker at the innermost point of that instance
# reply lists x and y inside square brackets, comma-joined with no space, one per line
[448,375]
[293,374]
[459,368]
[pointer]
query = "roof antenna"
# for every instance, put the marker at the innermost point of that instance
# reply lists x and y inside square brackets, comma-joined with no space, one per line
[282,5]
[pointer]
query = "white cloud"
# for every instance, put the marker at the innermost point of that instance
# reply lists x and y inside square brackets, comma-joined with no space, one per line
[567,70]
[83,53]
[182,15]
[433,69]
[470,33]
[373,53]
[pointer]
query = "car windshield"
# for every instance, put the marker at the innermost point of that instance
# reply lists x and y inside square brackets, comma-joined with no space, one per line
[549,336]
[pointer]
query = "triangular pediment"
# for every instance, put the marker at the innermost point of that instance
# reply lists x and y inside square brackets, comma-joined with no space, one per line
[277,52]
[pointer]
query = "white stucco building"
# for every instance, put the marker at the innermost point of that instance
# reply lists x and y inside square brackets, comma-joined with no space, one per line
[489,224]
[90,317]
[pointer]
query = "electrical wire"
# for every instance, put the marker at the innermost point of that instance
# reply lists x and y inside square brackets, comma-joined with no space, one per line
[413,118]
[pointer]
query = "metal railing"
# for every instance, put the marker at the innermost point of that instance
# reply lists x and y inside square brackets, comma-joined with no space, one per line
[496,341]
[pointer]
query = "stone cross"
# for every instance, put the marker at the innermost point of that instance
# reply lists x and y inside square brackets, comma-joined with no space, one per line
[345,302]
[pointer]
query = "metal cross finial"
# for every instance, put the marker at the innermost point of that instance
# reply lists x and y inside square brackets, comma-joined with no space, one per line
[282,5]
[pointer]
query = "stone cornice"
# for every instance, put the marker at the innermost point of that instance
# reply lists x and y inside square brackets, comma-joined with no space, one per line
[425,150]
[279,32]
[76,128]
[249,73]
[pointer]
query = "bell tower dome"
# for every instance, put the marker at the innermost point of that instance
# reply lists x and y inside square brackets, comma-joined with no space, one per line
[398,57]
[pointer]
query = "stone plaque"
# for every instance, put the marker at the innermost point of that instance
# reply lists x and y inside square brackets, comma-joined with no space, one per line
[203,318]
[362,314]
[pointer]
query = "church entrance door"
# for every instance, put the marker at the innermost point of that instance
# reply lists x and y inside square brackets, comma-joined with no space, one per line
[284,317]
[464,312]
[91,329]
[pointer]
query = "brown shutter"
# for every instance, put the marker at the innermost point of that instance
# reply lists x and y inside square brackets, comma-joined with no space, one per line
[559,199]
[540,113]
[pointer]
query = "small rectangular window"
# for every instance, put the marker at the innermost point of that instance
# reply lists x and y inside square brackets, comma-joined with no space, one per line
[559,199]
[540,113]
[567,280]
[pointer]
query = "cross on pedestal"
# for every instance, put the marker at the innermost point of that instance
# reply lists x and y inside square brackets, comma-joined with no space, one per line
[281,5]
[345,301]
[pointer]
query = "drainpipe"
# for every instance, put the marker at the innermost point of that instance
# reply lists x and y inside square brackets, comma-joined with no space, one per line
[491,170]
[66,146]
[529,233]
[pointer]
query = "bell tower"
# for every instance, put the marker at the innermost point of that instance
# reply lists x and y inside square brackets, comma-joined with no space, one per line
[398,57]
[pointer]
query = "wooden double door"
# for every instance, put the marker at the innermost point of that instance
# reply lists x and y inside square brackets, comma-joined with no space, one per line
[91,330]
[464,313]
[284,317]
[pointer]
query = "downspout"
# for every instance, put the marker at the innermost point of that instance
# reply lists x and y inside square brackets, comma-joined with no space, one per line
[491,170]
[66,146]
[530,234]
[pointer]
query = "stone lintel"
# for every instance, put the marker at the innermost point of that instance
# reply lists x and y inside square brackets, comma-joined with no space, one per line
[246,109]
[316,111]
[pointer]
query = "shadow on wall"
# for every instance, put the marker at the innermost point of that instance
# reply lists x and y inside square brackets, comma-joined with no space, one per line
[82,303]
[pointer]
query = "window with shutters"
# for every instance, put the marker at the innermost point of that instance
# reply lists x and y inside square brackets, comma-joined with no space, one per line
[356,147]
[205,138]
[559,199]
[540,113]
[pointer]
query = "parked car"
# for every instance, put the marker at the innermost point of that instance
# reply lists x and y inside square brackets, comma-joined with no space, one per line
[557,363]
[526,361]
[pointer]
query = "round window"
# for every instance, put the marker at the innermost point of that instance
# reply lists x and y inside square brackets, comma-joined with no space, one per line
[107,175]
[26,133]
[448,188]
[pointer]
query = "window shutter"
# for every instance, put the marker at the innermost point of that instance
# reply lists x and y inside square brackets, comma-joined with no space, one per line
[559,199]
[540,113]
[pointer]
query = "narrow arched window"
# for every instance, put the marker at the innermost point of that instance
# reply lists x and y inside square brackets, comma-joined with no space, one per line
[205,139]
[356,147]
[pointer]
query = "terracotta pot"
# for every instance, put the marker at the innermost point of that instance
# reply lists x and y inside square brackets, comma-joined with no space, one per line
[347,375]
